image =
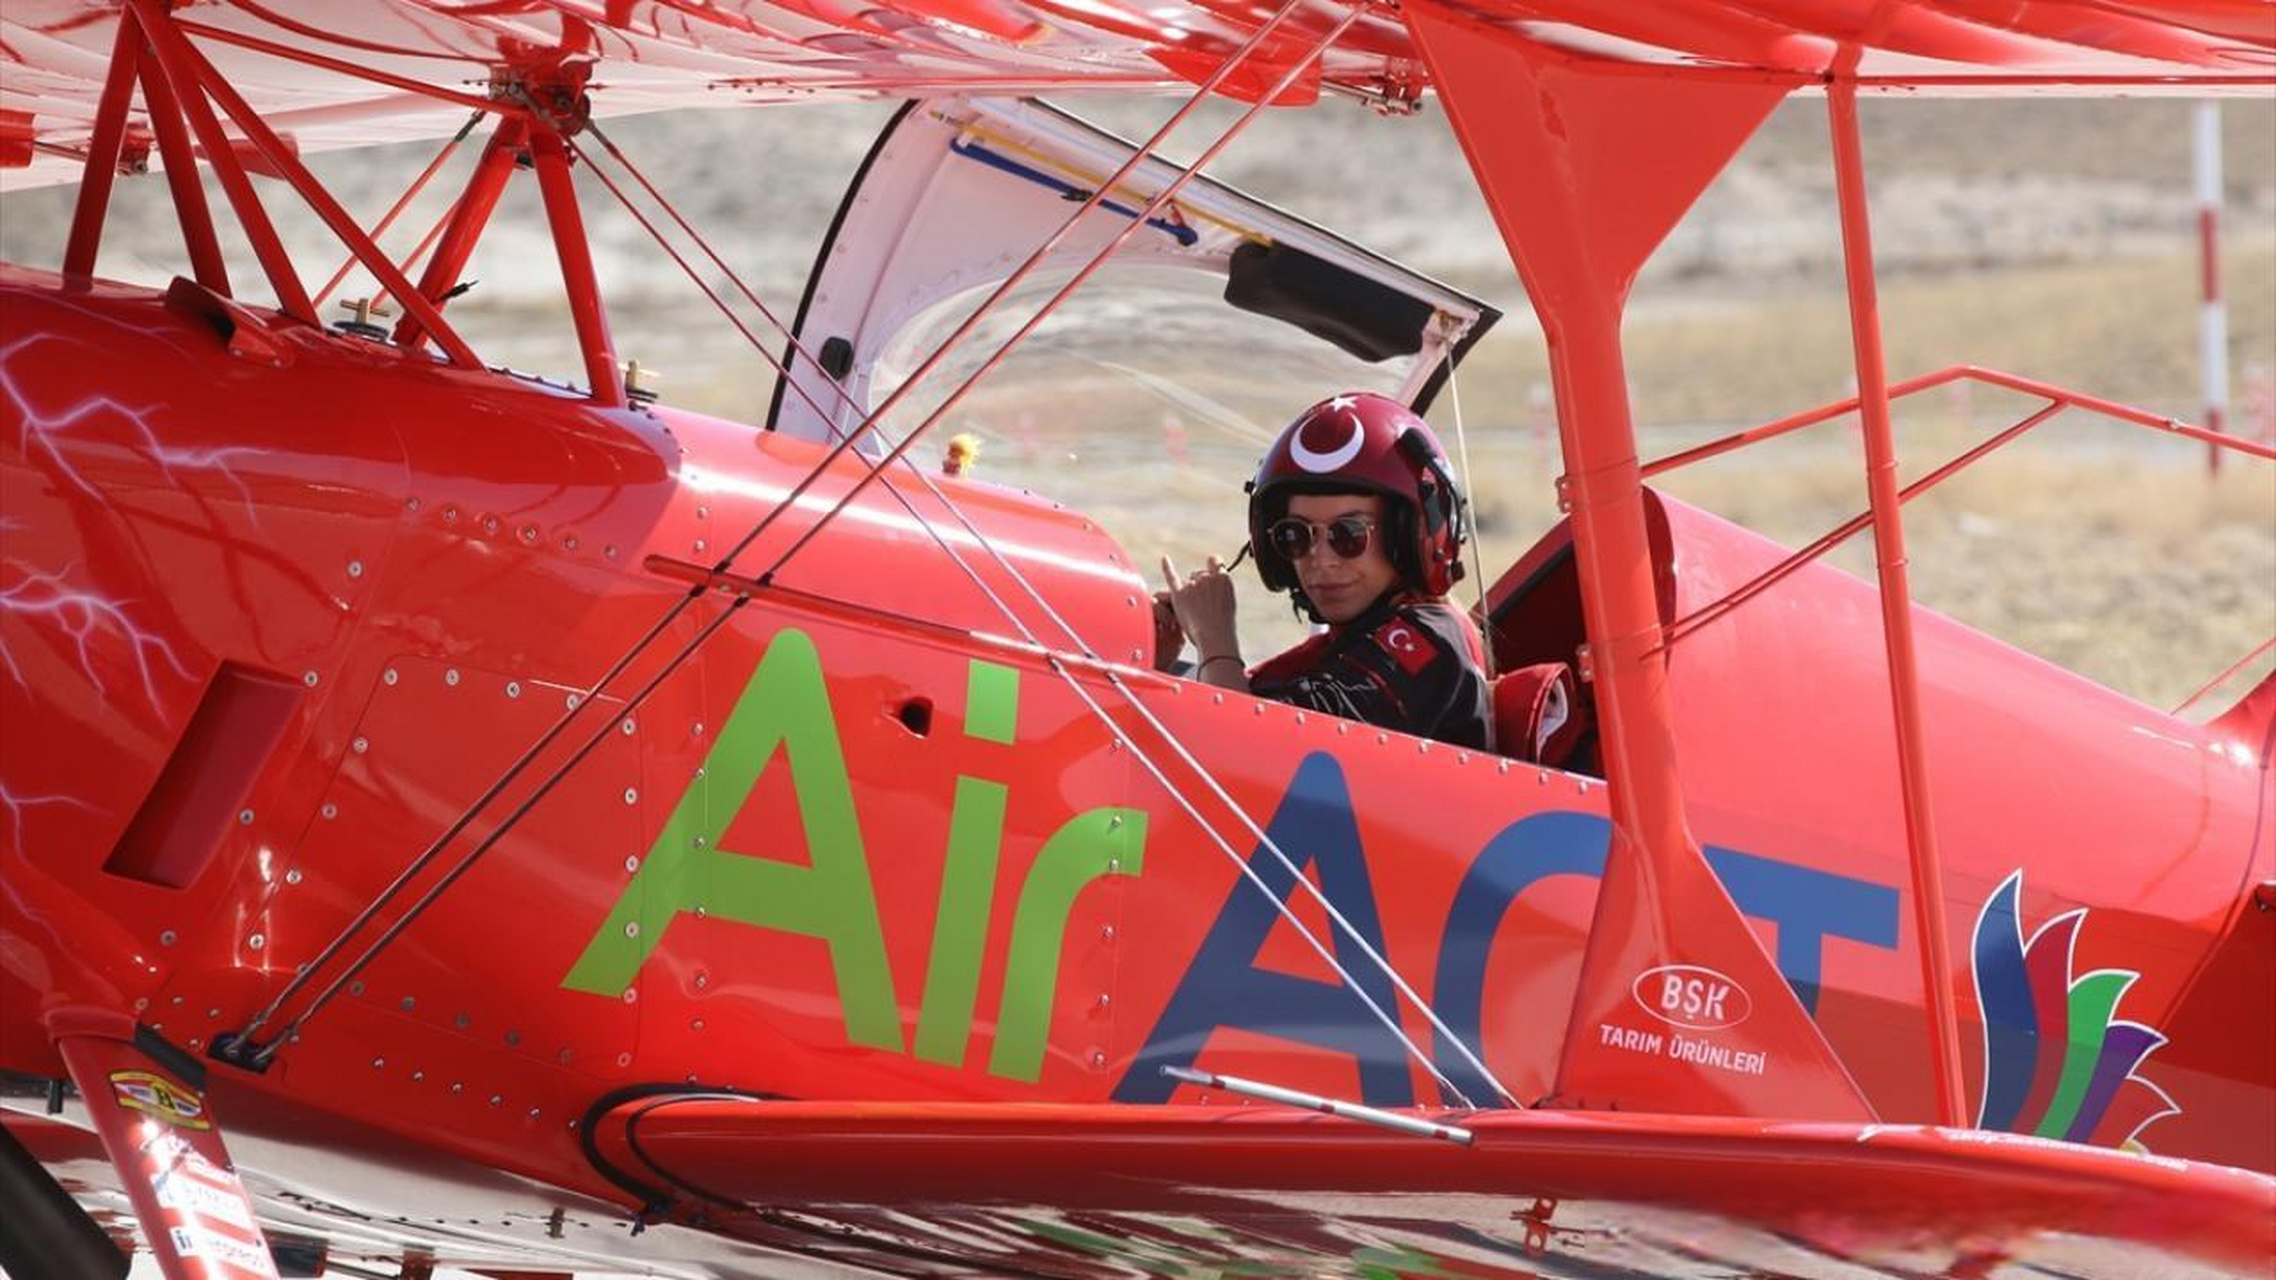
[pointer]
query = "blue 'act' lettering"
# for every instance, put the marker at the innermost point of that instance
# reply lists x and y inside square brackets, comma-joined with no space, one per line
[1314,823]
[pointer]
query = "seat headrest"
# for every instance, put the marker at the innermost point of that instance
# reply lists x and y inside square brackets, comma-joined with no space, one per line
[1539,716]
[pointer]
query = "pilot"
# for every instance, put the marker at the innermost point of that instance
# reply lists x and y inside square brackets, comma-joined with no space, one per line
[1353,513]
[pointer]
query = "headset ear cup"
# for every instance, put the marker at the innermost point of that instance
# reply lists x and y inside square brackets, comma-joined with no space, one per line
[1446,515]
[1441,541]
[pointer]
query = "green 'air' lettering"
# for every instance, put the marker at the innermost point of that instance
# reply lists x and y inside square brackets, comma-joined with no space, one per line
[1100,842]
[968,881]
[960,926]
[785,706]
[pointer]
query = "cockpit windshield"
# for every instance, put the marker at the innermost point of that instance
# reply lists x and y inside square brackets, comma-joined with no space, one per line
[1145,399]
[1148,395]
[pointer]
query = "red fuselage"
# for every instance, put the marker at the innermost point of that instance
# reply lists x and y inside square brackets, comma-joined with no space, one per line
[272,619]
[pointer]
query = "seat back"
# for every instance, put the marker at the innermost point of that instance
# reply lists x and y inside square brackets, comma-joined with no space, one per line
[1539,715]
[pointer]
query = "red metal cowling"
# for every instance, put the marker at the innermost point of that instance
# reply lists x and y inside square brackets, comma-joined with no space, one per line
[339,527]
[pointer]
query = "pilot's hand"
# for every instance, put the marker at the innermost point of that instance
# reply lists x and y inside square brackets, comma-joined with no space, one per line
[1203,605]
[1169,637]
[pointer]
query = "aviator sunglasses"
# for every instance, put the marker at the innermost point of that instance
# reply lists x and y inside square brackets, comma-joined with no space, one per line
[1347,536]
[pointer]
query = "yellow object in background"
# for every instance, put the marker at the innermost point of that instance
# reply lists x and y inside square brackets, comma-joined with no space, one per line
[963,451]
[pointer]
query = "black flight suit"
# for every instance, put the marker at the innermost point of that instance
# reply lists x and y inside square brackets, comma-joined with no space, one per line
[1407,664]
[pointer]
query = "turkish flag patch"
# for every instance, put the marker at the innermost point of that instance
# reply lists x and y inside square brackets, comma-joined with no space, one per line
[1406,644]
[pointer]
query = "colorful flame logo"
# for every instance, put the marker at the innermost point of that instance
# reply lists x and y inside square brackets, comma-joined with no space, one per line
[2057,1059]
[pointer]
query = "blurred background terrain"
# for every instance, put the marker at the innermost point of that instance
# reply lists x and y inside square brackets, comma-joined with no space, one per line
[2051,238]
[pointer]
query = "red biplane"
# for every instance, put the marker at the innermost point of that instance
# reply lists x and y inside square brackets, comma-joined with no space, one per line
[542,830]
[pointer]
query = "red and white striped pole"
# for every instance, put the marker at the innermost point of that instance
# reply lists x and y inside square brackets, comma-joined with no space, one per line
[2213,316]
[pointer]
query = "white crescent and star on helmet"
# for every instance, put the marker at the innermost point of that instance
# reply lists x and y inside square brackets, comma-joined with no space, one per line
[1319,461]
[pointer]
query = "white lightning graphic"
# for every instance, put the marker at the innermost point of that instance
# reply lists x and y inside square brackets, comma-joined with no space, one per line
[41,432]
[41,427]
[16,805]
[83,616]
[169,457]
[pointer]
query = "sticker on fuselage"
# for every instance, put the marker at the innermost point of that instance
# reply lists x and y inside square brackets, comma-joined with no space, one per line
[155,1095]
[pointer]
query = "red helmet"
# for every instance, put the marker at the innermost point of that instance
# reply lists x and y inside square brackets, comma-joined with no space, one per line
[1364,443]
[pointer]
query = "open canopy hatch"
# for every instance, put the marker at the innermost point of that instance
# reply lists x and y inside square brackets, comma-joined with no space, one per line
[958,192]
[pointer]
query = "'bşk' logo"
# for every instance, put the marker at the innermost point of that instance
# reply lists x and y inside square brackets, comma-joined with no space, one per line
[1692,996]
[2057,1059]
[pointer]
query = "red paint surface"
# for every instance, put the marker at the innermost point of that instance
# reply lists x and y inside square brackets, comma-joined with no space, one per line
[447,553]
[1783,736]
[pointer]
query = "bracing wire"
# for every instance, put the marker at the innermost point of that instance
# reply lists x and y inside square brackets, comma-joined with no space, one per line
[1176,794]
[402,202]
[339,943]
[1470,501]
[1082,645]
[1085,649]
[1185,755]
[1059,668]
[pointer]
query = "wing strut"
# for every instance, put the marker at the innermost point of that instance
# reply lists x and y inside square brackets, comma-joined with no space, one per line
[194,79]
[134,63]
[103,155]
[147,1099]
[1586,166]
[1896,601]
[178,66]
[190,208]
[601,373]
[179,90]
[467,219]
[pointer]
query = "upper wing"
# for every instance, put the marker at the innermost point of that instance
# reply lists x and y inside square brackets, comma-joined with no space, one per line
[650,54]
